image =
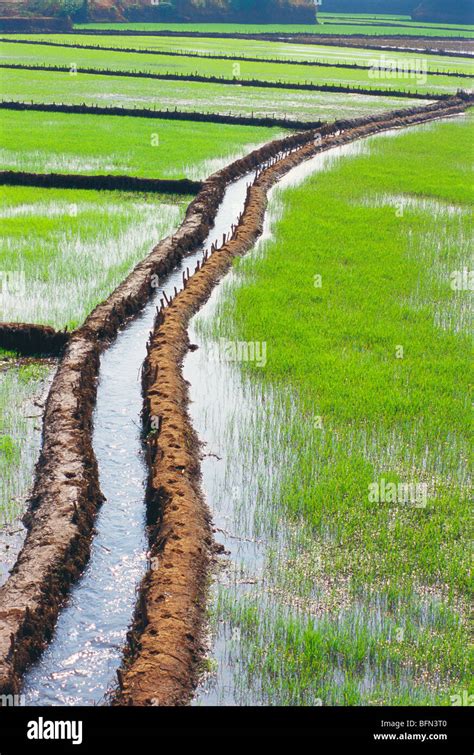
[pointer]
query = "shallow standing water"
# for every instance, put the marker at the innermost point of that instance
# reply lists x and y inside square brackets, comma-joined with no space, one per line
[241,479]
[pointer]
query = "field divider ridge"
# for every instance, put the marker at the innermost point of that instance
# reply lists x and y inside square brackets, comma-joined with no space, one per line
[171,115]
[100,182]
[31,339]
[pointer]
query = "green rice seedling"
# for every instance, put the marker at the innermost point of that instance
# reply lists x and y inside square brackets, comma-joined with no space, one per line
[97,144]
[340,592]
[80,246]
[22,392]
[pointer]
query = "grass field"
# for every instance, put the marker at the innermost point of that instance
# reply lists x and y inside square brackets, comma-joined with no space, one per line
[367,379]
[80,245]
[416,80]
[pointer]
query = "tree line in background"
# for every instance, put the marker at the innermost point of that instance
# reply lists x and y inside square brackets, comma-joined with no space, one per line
[245,11]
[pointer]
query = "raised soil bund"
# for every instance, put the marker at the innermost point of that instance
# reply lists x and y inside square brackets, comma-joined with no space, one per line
[170,115]
[66,493]
[104,183]
[161,667]
[32,340]
[252,83]
[230,58]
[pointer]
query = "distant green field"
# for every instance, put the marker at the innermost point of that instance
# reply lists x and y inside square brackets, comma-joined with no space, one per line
[406,30]
[229,47]
[65,143]
[78,247]
[415,82]
[367,378]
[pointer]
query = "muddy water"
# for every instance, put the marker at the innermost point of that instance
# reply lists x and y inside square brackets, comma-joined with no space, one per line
[79,666]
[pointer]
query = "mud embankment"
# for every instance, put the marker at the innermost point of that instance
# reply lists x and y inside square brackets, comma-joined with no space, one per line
[161,667]
[252,83]
[169,115]
[32,340]
[99,183]
[66,493]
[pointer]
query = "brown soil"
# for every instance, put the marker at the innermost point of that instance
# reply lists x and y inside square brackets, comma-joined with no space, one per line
[166,640]
[32,340]
[99,182]
[428,45]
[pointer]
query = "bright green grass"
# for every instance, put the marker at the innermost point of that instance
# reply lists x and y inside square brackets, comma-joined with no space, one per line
[107,91]
[78,247]
[419,81]
[20,437]
[69,143]
[288,29]
[232,47]
[358,602]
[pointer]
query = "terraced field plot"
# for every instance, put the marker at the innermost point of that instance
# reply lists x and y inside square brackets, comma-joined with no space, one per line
[416,82]
[80,246]
[109,91]
[69,143]
[242,47]
[338,597]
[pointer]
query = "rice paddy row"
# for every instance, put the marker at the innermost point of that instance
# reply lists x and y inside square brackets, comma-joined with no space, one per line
[251,48]
[415,79]
[95,144]
[23,387]
[80,246]
[358,594]
[51,87]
